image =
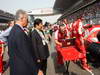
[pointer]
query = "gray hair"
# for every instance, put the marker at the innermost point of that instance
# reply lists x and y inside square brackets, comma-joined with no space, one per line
[18,13]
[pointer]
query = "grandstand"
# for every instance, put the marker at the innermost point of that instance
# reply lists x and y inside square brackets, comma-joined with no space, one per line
[5,16]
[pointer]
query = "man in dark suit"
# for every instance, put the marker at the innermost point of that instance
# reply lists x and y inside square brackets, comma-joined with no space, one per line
[22,60]
[40,46]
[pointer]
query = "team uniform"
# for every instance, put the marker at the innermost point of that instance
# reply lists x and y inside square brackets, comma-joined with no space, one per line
[79,43]
[68,51]
[1,56]
[60,37]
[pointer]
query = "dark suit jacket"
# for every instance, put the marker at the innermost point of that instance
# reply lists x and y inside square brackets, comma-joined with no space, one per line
[41,51]
[20,50]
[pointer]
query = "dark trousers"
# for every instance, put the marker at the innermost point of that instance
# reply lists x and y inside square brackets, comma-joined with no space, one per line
[43,66]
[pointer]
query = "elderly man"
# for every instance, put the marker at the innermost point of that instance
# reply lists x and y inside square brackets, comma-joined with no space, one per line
[22,60]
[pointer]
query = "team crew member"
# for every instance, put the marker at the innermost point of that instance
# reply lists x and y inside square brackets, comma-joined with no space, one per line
[78,34]
[60,35]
